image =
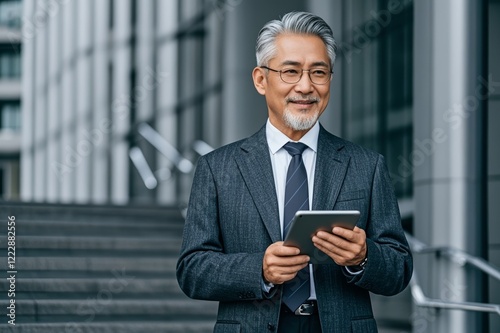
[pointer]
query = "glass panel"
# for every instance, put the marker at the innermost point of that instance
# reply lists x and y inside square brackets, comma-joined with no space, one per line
[10,116]
[378,86]
[10,64]
[10,14]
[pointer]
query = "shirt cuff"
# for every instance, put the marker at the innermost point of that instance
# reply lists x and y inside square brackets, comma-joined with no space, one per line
[266,287]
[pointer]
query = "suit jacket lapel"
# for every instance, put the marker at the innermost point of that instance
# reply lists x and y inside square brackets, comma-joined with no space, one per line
[255,166]
[331,167]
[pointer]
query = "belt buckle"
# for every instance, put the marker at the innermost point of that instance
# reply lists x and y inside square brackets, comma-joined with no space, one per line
[305,310]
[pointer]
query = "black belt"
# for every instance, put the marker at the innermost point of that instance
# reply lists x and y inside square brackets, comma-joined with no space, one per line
[305,309]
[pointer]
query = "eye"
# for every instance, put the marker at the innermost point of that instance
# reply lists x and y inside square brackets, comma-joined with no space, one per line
[319,72]
[290,71]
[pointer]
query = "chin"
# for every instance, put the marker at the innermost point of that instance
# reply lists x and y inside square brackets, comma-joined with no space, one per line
[302,121]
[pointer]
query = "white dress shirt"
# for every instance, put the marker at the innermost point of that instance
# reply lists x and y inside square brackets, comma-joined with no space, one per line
[280,159]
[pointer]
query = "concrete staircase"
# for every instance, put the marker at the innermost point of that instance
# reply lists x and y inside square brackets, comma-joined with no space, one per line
[83,268]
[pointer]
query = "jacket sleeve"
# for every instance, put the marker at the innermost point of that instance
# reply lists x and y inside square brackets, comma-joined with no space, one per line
[390,264]
[204,270]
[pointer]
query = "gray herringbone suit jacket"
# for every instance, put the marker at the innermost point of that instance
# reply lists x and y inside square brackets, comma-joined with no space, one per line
[233,217]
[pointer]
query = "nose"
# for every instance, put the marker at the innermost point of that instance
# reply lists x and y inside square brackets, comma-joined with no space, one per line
[305,84]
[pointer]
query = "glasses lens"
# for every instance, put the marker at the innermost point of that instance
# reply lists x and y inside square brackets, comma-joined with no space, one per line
[317,76]
[291,75]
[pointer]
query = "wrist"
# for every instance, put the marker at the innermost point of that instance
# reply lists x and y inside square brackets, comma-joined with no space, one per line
[360,266]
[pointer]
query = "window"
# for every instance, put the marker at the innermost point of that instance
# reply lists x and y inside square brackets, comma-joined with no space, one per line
[10,14]
[10,62]
[10,116]
[378,85]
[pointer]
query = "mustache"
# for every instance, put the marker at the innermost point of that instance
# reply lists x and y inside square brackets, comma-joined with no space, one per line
[302,98]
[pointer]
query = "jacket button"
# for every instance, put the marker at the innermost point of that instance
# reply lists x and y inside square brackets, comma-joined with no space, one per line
[271,327]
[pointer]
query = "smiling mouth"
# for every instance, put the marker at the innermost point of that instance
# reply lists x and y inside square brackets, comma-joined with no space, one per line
[301,101]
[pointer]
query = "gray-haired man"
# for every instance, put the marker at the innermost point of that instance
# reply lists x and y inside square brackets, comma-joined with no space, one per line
[244,194]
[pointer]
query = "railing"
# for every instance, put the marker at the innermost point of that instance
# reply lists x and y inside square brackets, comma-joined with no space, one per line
[163,146]
[461,258]
[177,161]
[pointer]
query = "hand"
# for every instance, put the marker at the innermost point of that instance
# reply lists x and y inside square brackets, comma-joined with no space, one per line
[346,247]
[281,263]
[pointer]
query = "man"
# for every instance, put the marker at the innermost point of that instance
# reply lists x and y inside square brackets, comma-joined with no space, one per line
[241,203]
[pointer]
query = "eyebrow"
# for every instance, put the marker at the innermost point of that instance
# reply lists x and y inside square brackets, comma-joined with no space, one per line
[296,63]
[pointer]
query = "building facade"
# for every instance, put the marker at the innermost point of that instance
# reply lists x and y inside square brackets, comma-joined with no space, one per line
[10,98]
[120,97]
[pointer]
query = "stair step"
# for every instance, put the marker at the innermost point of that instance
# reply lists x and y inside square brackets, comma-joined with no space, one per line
[91,286]
[166,243]
[104,305]
[100,269]
[113,327]
[100,228]
[100,274]
[123,266]
[74,212]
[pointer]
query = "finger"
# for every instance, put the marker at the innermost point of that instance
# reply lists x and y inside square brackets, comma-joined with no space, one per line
[287,261]
[289,269]
[339,248]
[341,257]
[350,235]
[279,249]
[327,246]
[332,240]
[278,274]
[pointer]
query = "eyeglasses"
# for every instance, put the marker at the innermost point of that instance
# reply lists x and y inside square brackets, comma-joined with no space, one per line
[293,75]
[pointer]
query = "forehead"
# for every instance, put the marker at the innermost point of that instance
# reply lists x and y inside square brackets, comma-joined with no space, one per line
[301,49]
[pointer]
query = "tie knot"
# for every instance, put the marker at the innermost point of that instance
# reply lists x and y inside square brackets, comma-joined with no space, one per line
[295,148]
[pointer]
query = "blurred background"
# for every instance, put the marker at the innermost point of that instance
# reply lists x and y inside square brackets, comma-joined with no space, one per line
[105,106]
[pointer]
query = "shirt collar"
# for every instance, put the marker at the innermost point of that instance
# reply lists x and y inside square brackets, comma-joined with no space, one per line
[276,139]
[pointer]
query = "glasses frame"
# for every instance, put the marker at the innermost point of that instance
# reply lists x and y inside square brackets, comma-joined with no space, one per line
[300,77]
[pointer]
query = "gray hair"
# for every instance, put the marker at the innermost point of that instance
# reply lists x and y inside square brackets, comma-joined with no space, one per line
[297,23]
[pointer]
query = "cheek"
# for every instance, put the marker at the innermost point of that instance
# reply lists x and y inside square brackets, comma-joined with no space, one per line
[325,97]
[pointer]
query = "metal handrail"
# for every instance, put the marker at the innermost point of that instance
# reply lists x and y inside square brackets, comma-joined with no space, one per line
[421,300]
[163,146]
[201,147]
[461,258]
[142,166]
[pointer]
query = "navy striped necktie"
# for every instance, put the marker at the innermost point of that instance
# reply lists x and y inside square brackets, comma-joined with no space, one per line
[296,291]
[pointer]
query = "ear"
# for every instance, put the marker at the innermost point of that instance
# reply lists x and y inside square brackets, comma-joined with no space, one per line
[259,80]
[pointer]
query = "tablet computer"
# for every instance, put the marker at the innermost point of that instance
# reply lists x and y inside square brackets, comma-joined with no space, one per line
[307,223]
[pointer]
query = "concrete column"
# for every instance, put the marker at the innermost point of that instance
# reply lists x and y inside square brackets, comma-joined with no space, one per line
[212,77]
[53,105]
[40,105]
[145,83]
[448,154]
[28,107]
[69,157]
[101,121]
[166,93]
[120,106]
[84,143]
[144,90]
[494,156]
